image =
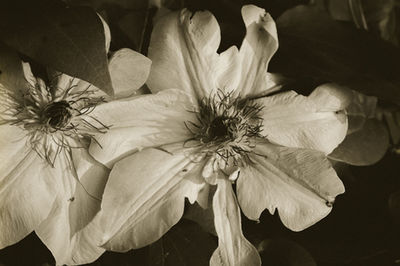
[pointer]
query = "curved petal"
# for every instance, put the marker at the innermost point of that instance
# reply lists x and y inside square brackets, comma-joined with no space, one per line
[365,146]
[300,183]
[64,231]
[145,196]
[233,247]
[107,33]
[28,186]
[315,122]
[183,50]
[259,45]
[227,69]
[129,71]
[144,121]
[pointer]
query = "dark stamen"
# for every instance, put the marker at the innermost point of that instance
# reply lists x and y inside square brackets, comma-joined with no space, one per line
[57,114]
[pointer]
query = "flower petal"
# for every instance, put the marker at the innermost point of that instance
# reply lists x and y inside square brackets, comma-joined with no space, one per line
[28,186]
[129,71]
[228,70]
[107,33]
[144,121]
[365,146]
[64,230]
[145,196]
[233,247]
[315,122]
[259,45]
[183,50]
[300,183]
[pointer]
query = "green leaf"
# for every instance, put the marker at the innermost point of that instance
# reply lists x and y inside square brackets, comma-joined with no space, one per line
[314,45]
[70,40]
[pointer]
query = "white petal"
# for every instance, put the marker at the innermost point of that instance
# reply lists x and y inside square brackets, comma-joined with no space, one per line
[144,121]
[64,231]
[28,186]
[300,183]
[233,247]
[107,33]
[129,71]
[228,70]
[145,196]
[305,122]
[259,45]
[183,50]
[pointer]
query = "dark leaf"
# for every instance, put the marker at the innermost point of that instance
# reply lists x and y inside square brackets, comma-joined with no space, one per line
[185,244]
[314,45]
[365,146]
[283,252]
[70,40]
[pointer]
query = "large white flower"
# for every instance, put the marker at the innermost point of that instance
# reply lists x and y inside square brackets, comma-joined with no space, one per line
[48,181]
[211,124]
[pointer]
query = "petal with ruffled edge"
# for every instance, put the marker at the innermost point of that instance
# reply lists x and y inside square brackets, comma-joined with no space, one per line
[316,122]
[129,71]
[233,247]
[28,186]
[144,121]
[183,51]
[300,183]
[64,231]
[145,195]
[259,45]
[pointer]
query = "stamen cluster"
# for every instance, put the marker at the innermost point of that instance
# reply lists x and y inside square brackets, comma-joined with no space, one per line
[56,119]
[227,127]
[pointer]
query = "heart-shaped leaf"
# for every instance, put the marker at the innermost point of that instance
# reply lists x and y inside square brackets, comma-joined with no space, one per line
[70,40]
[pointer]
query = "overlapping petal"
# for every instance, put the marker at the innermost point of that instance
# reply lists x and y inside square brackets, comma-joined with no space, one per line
[27,186]
[64,231]
[233,247]
[139,206]
[300,183]
[316,122]
[183,50]
[129,71]
[145,121]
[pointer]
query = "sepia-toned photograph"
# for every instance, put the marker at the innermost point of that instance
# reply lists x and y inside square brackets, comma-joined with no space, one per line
[200,132]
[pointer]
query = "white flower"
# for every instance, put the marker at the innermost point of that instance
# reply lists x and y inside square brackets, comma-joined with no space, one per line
[48,181]
[211,125]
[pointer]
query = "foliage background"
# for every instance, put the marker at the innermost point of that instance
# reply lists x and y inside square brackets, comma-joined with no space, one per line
[322,42]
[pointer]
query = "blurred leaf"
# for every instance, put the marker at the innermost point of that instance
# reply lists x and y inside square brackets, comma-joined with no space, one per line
[283,252]
[11,73]
[203,217]
[363,147]
[378,16]
[394,205]
[70,40]
[185,244]
[314,45]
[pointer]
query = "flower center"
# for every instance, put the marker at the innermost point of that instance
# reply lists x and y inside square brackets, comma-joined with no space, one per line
[227,127]
[56,119]
[218,128]
[57,114]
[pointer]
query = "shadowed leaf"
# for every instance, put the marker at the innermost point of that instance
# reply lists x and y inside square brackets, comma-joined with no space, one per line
[70,40]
